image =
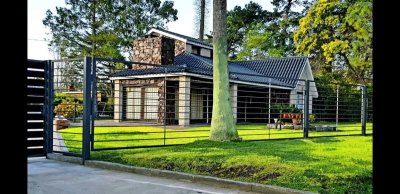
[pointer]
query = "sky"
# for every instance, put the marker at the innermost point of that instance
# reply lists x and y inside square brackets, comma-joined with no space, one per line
[37,33]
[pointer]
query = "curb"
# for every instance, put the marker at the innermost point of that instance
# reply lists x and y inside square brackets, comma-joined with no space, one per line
[62,158]
[206,180]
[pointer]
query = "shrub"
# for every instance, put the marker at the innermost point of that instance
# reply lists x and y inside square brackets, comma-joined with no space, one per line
[68,108]
[284,108]
[311,118]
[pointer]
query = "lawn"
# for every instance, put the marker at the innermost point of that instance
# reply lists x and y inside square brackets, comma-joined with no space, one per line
[324,165]
[122,137]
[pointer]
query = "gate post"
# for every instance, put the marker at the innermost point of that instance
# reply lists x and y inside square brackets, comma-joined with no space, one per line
[87,108]
[364,104]
[306,109]
[48,107]
[94,102]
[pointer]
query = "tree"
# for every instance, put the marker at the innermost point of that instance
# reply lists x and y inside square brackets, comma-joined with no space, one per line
[104,28]
[274,37]
[239,21]
[223,127]
[202,13]
[337,35]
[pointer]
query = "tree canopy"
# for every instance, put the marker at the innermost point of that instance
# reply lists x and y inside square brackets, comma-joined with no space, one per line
[273,36]
[239,21]
[104,28]
[337,35]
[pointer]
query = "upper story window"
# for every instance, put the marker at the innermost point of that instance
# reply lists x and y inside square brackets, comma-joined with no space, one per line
[196,50]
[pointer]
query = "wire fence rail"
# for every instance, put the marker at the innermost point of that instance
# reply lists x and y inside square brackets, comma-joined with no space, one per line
[160,105]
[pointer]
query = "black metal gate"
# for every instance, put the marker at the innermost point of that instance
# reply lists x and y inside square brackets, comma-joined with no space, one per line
[35,107]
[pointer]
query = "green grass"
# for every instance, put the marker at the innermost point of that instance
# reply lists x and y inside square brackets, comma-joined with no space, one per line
[324,165]
[149,135]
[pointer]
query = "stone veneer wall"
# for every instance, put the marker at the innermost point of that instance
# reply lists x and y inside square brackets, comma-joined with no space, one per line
[180,47]
[153,50]
[156,50]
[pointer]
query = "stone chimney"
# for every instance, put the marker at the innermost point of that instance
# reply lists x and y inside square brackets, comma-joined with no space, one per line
[155,50]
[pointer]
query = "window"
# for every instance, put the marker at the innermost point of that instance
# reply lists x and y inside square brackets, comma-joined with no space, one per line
[133,103]
[196,50]
[300,100]
[137,104]
[151,103]
[196,104]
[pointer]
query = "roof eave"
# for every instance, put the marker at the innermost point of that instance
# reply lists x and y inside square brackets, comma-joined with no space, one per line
[198,76]
[166,34]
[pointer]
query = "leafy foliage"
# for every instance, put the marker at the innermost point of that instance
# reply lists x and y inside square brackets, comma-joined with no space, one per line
[104,28]
[273,36]
[284,108]
[337,35]
[67,106]
[239,21]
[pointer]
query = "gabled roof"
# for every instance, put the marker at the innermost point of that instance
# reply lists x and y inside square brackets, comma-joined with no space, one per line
[261,72]
[289,69]
[180,37]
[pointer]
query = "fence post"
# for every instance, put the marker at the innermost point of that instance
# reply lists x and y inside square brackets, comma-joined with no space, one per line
[306,109]
[165,104]
[48,109]
[337,106]
[364,110]
[94,102]
[86,109]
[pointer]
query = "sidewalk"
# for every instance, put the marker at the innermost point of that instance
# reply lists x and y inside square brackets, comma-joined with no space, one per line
[50,176]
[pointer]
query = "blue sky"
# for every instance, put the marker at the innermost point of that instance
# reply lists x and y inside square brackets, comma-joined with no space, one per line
[38,49]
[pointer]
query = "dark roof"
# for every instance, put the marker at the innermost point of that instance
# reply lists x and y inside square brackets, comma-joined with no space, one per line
[289,68]
[248,71]
[188,38]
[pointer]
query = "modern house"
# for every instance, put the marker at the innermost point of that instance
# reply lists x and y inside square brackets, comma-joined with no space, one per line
[182,93]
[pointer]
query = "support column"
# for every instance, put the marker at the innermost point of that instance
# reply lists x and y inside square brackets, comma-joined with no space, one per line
[117,101]
[234,92]
[184,101]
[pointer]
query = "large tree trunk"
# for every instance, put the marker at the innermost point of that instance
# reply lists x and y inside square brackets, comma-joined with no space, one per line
[202,14]
[223,127]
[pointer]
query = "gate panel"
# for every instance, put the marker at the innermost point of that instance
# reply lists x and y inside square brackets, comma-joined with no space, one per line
[35,115]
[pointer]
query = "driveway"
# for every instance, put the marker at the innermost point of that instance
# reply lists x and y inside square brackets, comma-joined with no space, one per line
[50,176]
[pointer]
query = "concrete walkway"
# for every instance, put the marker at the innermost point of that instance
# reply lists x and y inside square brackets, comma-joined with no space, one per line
[50,176]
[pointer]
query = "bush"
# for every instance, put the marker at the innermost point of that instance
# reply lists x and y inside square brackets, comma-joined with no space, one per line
[68,108]
[311,118]
[284,108]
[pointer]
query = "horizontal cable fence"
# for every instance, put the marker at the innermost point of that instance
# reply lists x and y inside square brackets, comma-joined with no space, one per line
[153,105]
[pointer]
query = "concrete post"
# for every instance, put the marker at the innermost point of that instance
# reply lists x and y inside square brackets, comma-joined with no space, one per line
[184,101]
[306,109]
[364,107]
[117,101]
[234,91]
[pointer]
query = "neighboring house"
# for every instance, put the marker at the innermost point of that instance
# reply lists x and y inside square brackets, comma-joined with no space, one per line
[139,92]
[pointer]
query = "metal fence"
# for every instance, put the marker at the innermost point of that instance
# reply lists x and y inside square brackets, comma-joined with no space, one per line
[153,105]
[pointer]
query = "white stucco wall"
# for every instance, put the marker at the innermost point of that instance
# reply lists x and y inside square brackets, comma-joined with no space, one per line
[306,75]
[188,48]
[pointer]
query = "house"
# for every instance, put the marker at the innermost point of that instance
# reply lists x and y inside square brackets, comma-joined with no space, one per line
[254,85]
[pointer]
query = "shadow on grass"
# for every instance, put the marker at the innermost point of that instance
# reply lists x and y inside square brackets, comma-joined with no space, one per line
[294,163]
[324,140]
[122,133]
